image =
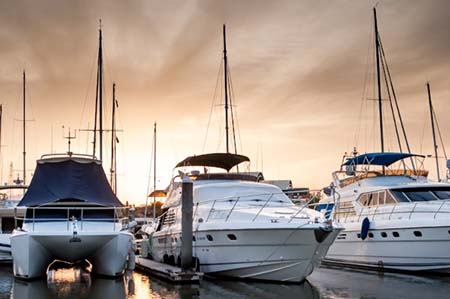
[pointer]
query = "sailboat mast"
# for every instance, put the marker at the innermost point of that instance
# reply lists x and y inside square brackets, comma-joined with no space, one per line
[154,171]
[380,106]
[24,132]
[225,67]
[100,92]
[432,129]
[113,170]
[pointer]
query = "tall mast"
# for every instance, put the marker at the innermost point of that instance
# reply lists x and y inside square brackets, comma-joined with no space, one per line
[24,132]
[225,67]
[99,98]
[113,169]
[154,171]
[432,129]
[380,107]
[100,91]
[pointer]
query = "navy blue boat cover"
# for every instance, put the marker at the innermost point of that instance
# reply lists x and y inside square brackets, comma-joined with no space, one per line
[69,179]
[382,159]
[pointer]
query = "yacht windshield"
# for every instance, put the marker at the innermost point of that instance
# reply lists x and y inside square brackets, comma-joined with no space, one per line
[422,194]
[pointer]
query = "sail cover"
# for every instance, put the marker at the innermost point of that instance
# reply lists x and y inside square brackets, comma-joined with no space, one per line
[69,179]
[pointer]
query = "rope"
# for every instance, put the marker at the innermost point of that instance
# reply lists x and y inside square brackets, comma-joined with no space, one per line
[212,107]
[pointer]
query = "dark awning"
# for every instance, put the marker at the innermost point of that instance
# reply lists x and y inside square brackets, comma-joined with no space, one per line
[381,159]
[220,160]
[69,179]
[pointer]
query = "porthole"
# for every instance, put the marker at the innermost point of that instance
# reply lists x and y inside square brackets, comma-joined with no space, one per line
[358,236]
[232,237]
[384,235]
[370,235]
[395,234]
[209,237]
[417,233]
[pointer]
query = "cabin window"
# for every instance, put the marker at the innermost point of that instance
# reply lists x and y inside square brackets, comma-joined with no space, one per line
[193,238]
[364,199]
[389,198]
[384,234]
[442,194]
[418,233]
[381,197]
[377,198]
[399,196]
[370,235]
[210,238]
[420,195]
[395,234]
[232,237]
[358,236]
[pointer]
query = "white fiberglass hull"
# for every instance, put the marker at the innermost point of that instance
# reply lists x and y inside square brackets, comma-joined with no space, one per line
[33,252]
[284,255]
[407,252]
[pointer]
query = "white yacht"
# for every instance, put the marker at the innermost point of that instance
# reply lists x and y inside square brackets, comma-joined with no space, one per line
[241,228]
[394,217]
[71,214]
[10,196]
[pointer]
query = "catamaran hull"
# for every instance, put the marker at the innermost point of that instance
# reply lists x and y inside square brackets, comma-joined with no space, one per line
[408,252]
[283,255]
[33,252]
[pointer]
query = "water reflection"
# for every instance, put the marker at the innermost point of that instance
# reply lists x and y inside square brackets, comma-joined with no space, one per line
[323,283]
[71,283]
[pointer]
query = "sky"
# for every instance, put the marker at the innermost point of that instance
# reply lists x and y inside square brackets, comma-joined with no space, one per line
[302,75]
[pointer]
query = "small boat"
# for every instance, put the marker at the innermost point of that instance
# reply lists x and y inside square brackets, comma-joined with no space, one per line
[71,214]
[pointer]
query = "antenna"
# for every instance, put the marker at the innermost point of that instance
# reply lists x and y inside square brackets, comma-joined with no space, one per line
[69,138]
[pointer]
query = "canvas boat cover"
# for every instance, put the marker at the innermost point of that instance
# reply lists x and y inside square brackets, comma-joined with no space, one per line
[220,160]
[382,159]
[69,179]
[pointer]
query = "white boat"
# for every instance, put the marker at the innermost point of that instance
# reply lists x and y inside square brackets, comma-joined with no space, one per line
[241,228]
[9,197]
[394,217]
[71,214]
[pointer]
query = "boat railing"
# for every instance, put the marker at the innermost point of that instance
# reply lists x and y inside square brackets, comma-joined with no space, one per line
[219,211]
[408,209]
[76,218]
[428,207]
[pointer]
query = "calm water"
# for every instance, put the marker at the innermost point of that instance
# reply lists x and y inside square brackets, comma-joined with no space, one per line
[324,283]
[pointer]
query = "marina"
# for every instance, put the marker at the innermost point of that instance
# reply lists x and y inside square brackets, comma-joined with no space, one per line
[224,149]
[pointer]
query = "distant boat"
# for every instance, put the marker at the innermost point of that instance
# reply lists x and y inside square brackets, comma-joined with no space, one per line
[395,218]
[12,192]
[242,228]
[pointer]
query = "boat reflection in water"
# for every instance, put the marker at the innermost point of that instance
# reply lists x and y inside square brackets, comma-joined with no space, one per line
[77,283]
[73,283]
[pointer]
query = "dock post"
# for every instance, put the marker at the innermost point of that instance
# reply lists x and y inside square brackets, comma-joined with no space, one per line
[186,223]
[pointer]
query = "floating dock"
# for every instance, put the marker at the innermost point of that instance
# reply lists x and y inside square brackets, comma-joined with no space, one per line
[168,272]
